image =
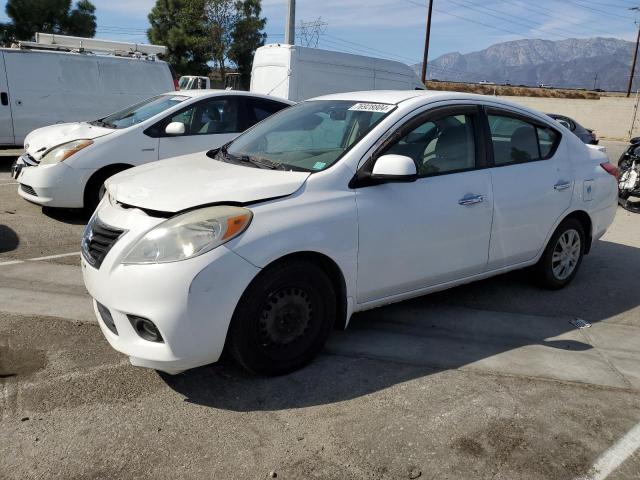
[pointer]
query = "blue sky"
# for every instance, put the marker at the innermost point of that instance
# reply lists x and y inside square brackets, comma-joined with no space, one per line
[395,28]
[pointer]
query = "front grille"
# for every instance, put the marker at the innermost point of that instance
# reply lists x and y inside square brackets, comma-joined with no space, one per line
[106,317]
[28,190]
[98,240]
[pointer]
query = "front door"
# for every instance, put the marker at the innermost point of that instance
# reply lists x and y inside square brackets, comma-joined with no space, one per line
[208,124]
[437,228]
[6,121]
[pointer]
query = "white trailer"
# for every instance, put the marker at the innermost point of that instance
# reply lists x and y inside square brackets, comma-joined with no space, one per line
[297,73]
[60,79]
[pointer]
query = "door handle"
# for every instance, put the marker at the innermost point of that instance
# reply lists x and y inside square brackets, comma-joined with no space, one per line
[4,98]
[470,200]
[562,185]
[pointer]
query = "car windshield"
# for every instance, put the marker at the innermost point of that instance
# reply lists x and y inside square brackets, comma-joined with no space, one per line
[310,136]
[140,111]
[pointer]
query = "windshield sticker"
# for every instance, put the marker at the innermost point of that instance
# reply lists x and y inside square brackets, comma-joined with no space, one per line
[319,165]
[371,107]
[178,99]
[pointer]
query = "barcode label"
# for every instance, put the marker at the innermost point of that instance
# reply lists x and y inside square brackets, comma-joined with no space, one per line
[371,107]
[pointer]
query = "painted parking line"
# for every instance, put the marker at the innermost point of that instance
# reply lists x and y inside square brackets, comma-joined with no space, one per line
[616,455]
[37,259]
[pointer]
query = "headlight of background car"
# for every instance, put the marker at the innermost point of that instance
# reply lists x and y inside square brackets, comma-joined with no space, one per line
[189,235]
[64,151]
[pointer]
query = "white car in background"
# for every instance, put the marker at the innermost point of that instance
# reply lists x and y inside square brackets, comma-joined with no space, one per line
[333,206]
[65,165]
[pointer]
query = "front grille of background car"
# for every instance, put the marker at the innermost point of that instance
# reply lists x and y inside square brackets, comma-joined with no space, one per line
[100,241]
[28,190]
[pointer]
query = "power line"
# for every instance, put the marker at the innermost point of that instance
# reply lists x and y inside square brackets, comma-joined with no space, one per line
[545,13]
[601,12]
[504,16]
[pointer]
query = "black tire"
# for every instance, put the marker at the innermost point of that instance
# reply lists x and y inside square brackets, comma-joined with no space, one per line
[94,190]
[283,318]
[548,268]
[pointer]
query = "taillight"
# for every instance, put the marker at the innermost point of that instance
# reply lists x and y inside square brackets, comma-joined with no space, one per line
[611,169]
[176,84]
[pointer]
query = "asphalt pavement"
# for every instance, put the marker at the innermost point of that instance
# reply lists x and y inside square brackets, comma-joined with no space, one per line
[489,380]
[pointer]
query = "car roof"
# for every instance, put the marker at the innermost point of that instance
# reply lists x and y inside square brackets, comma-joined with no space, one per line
[421,97]
[234,93]
[398,96]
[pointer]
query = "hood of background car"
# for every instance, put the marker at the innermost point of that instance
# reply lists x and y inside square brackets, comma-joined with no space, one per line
[193,180]
[42,139]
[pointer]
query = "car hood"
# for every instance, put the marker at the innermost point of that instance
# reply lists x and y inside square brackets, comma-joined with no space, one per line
[42,139]
[192,180]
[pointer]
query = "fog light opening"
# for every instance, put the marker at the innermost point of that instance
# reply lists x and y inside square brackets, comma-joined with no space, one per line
[146,329]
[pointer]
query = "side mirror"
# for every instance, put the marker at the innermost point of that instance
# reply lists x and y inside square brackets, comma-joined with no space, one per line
[394,168]
[175,128]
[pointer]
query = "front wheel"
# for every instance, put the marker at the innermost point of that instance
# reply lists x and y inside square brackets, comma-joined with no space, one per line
[562,256]
[283,319]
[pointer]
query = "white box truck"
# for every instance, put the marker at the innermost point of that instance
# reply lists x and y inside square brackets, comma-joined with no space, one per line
[297,73]
[60,79]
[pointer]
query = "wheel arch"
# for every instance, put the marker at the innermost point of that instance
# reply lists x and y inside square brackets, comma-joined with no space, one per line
[107,170]
[585,219]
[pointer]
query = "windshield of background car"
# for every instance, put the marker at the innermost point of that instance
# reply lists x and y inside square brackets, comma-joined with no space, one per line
[140,111]
[310,136]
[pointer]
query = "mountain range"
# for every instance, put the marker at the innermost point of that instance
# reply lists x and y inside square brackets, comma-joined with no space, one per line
[572,63]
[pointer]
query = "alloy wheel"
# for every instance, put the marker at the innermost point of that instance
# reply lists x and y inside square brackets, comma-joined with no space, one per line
[566,254]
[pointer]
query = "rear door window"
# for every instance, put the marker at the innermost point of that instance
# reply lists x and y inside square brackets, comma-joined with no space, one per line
[259,109]
[515,140]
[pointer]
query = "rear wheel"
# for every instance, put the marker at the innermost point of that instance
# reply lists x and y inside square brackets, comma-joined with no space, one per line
[562,256]
[283,319]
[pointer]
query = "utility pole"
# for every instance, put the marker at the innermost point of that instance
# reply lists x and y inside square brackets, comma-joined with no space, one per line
[426,45]
[290,27]
[635,54]
[595,81]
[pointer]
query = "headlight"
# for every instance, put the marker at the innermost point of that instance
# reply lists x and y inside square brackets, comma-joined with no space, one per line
[189,235]
[64,151]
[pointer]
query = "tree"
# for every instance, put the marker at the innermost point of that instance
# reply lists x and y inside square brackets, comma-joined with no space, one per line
[221,17]
[81,21]
[50,16]
[247,36]
[180,26]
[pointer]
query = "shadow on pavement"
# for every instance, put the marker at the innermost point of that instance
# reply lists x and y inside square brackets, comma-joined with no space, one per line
[67,215]
[9,239]
[433,333]
[6,162]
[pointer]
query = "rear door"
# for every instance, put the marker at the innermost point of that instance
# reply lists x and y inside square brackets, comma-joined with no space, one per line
[6,121]
[209,124]
[532,185]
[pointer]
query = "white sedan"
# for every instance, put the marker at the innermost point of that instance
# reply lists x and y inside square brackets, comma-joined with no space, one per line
[66,165]
[333,206]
